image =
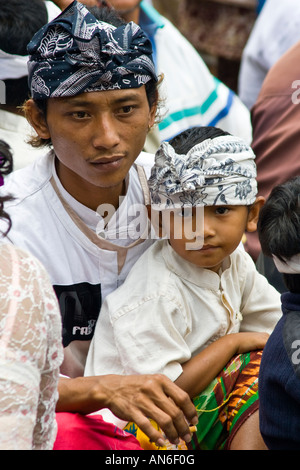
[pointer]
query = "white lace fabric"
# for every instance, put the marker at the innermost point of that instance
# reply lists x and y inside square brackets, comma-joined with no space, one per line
[30,352]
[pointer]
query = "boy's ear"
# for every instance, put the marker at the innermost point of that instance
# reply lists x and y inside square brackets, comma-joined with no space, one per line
[254,214]
[37,119]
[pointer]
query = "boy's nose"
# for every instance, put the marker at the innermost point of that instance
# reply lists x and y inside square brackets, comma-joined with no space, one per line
[208,227]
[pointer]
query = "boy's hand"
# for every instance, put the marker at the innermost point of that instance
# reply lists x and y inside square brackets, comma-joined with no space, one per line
[250,341]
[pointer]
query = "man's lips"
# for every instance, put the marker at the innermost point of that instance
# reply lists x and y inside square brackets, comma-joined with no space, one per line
[107,163]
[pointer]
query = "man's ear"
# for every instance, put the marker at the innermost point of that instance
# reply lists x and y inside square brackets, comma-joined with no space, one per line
[37,119]
[254,214]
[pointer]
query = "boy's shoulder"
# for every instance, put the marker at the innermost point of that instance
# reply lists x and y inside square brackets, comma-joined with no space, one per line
[145,160]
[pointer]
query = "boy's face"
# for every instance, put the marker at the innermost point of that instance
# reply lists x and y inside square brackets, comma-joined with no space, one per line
[222,228]
[97,136]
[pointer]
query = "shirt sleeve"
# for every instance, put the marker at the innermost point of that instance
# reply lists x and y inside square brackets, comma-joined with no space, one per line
[145,338]
[30,353]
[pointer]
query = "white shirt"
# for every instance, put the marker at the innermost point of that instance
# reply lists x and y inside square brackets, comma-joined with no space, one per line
[60,232]
[175,309]
[191,95]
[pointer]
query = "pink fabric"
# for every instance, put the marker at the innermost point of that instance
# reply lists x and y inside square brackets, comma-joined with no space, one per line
[91,432]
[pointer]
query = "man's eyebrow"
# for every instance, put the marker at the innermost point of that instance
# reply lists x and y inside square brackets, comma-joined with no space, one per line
[81,101]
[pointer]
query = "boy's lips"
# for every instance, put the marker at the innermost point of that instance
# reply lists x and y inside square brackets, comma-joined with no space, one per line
[208,247]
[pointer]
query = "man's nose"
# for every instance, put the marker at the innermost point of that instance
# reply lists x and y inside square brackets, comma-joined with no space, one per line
[106,133]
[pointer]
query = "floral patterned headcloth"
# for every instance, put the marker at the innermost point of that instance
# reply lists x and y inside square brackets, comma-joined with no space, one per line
[219,171]
[76,53]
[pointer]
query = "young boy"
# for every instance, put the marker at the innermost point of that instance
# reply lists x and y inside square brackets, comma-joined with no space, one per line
[194,301]
[279,377]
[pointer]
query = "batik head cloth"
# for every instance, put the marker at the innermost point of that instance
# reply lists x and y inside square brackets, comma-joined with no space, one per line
[288,265]
[75,53]
[219,171]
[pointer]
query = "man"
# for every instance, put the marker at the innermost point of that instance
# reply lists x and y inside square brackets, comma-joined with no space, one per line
[94,98]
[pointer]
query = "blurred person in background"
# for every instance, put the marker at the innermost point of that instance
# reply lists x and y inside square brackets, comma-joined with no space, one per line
[276,29]
[192,95]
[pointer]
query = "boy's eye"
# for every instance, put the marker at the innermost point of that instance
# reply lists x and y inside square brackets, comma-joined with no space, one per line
[222,210]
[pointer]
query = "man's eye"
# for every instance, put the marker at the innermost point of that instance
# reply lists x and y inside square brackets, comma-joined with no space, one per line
[127,109]
[80,114]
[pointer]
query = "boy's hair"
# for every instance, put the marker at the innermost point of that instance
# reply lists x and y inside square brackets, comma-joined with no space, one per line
[187,139]
[19,21]
[279,227]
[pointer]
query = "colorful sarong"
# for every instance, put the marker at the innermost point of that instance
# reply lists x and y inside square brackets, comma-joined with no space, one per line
[222,407]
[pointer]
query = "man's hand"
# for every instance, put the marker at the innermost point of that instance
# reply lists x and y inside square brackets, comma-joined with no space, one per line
[133,398]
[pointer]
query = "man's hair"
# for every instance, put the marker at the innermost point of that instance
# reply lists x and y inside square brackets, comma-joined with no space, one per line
[19,21]
[279,226]
[187,139]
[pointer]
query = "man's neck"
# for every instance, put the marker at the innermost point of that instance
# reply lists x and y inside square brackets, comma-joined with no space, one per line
[88,194]
[131,15]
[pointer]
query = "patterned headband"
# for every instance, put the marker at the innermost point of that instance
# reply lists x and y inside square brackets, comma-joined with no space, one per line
[288,265]
[76,53]
[219,171]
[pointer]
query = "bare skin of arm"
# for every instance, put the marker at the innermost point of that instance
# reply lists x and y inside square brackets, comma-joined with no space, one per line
[200,371]
[139,397]
[133,398]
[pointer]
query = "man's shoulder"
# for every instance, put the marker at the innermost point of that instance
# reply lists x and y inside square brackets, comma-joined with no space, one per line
[26,181]
[145,160]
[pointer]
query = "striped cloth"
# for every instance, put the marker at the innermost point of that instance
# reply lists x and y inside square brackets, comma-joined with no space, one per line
[222,407]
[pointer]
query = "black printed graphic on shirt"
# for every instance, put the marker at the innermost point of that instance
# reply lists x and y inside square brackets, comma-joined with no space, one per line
[80,306]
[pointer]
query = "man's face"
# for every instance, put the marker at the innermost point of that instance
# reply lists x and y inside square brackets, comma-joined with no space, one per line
[97,136]
[128,9]
[124,5]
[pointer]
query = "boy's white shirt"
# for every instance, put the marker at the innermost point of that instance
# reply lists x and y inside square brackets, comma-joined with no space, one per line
[175,309]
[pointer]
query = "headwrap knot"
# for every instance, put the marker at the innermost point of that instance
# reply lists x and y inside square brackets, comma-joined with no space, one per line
[76,53]
[215,172]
